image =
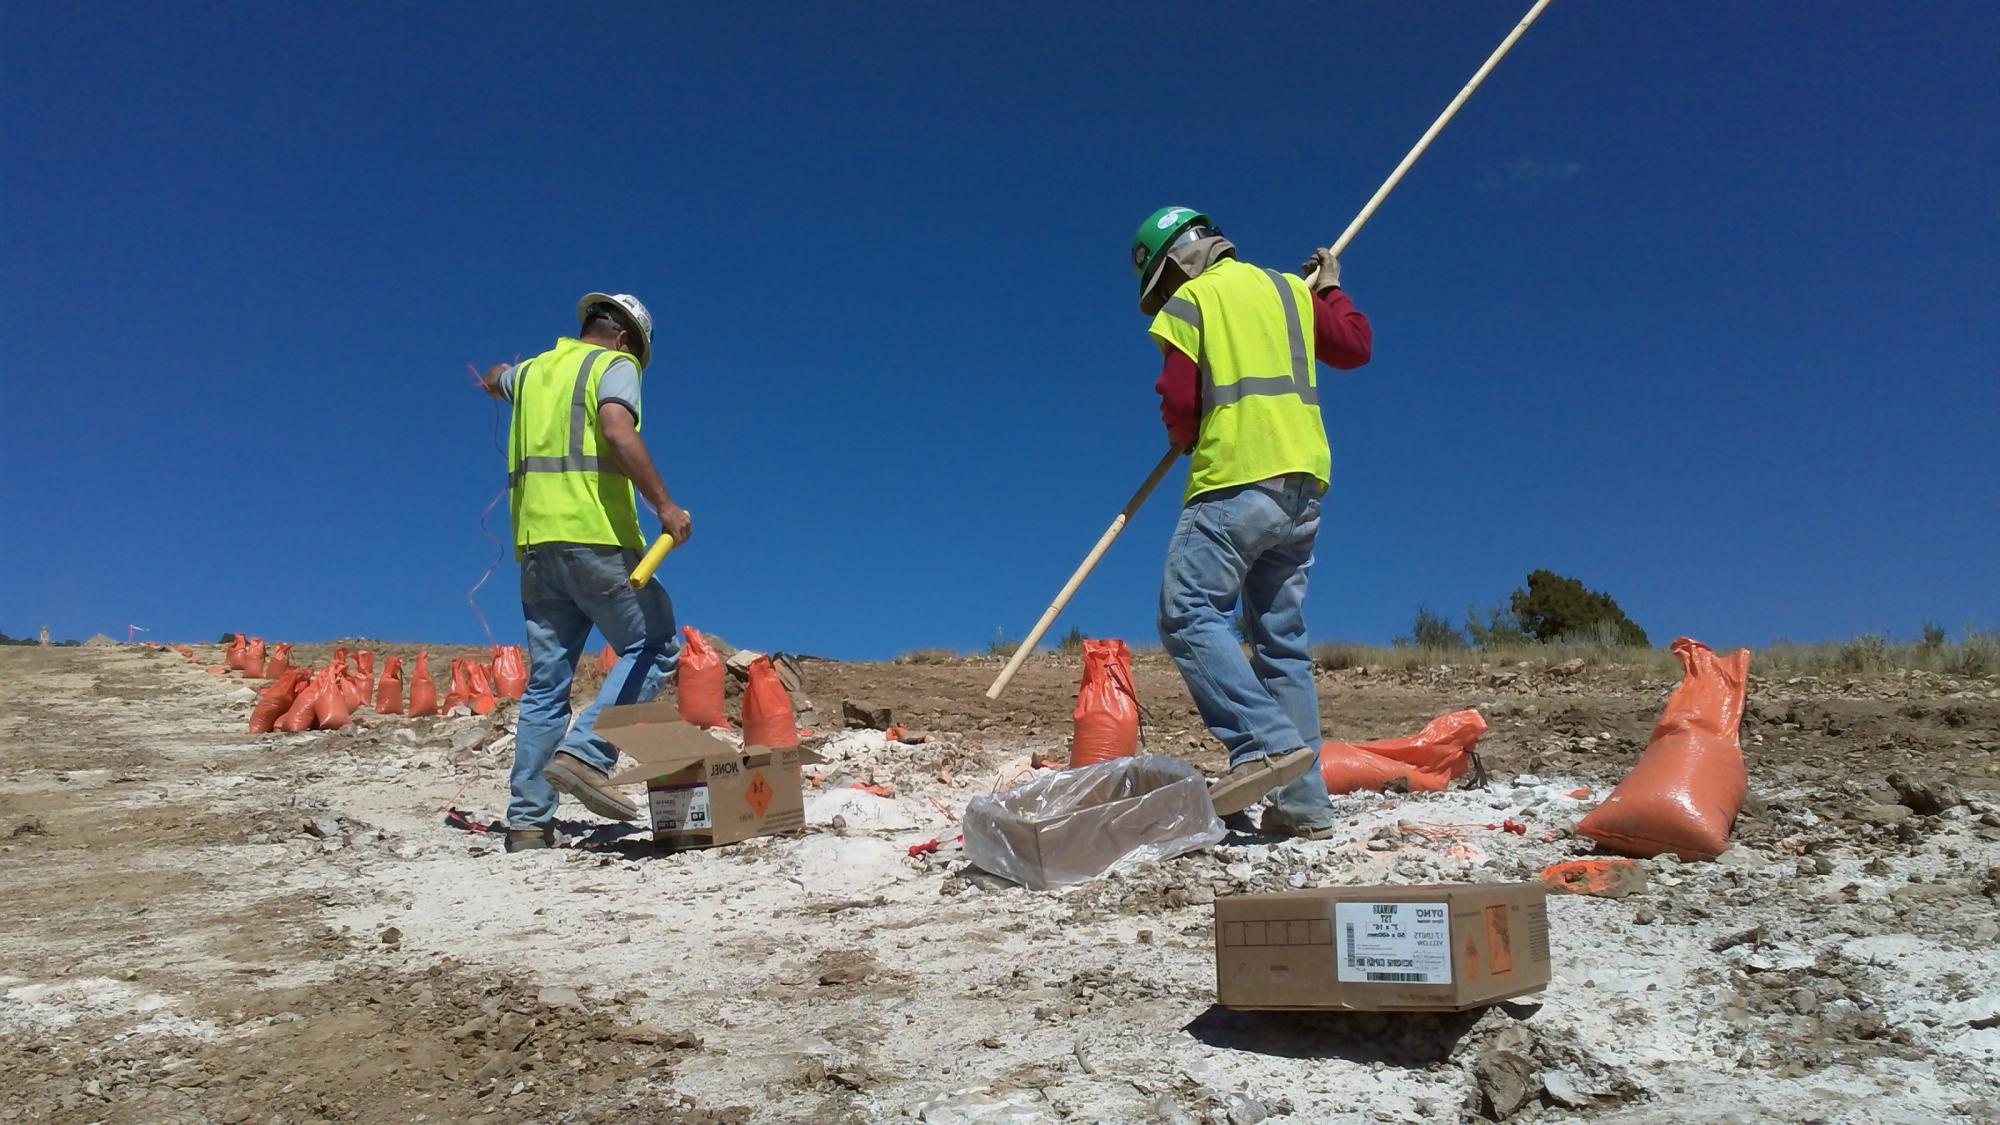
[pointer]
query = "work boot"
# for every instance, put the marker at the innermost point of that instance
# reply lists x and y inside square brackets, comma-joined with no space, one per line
[578,778]
[1278,824]
[1247,781]
[530,839]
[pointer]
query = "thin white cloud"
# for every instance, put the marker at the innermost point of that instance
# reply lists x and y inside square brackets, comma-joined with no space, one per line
[1526,173]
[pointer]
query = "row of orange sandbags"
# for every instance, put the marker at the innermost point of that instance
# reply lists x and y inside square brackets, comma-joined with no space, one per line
[300,699]
[1682,796]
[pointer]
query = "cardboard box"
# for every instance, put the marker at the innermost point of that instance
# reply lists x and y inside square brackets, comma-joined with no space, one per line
[1375,949]
[701,791]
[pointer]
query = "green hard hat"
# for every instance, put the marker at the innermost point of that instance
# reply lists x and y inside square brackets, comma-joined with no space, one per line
[1157,233]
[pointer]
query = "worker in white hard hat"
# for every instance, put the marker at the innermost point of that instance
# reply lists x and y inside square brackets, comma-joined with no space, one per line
[574,460]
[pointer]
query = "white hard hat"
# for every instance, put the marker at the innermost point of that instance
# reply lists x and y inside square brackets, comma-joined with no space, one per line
[641,319]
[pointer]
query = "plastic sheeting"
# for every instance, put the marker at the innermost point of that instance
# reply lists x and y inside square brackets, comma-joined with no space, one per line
[1077,824]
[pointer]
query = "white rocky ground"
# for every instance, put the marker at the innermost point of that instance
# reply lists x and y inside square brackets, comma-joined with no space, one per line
[835,976]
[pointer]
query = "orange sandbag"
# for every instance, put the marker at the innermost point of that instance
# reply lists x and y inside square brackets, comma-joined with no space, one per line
[1428,760]
[364,666]
[1686,789]
[767,709]
[330,707]
[253,659]
[389,693]
[698,681]
[239,650]
[353,694]
[1347,768]
[459,690]
[607,660]
[510,671]
[1106,719]
[483,700]
[423,692]
[299,716]
[274,701]
[279,662]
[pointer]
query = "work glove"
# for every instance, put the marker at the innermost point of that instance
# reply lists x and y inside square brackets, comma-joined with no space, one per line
[1321,271]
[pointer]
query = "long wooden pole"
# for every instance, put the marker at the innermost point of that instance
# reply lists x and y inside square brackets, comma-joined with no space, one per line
[1034,636]
[1160,470]
[1430,134]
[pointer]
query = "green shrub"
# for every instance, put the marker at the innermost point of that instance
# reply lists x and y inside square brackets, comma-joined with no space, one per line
[1552,606]
[1934,636]
[1072,642]
[1434,631]
[1501,630]
[1866,653]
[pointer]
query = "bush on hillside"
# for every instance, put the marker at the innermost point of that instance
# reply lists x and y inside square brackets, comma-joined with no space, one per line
[1552,607]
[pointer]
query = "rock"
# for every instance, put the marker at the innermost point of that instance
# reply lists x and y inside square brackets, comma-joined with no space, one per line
[1242,1109]
[1752,936]
[863,714]
[1506,1081]
[502,1064]
[558,996]
[984,1104]
[1926,798]
[648,1035]
[469,739]
[1567,669]
[1886,815]
[1563,1091]
[405,735]
[392,936]
[325,828]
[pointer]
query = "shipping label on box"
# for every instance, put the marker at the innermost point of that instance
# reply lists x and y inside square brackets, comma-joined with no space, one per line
[679,808]
[1397,942]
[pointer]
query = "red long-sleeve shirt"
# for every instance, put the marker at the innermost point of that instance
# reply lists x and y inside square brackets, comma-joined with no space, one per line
[1342,339]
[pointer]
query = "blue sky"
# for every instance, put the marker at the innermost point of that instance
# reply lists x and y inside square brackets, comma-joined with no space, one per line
[1694,302]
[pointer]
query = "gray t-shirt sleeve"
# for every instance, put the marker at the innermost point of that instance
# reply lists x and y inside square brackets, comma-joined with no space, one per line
[620,384]
[507,381]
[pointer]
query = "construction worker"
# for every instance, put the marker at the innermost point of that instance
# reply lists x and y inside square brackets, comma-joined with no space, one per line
[1238,391]
[574,458]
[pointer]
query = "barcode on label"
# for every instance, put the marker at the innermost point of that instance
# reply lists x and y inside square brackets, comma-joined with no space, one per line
[1351,962]
[1398,978]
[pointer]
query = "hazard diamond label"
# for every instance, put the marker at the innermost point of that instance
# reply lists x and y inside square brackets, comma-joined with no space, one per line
[758,793]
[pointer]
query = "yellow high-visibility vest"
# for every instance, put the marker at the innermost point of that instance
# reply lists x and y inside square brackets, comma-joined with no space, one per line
[564,486]
[1249,332]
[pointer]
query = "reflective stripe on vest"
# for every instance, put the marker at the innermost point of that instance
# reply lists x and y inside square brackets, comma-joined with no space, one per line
[574,460]
[563,487]
[1259,400]
[1298,382]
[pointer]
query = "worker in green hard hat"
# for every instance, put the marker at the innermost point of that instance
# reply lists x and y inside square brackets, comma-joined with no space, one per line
[1238,391]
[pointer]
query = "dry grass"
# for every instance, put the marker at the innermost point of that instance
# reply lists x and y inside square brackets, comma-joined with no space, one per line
[1976,654]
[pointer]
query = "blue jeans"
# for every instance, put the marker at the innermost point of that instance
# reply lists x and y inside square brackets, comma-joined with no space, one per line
[565,589]
[1253,543]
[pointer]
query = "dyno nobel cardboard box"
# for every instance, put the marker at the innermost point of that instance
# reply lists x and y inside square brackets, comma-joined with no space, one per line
[1426,948]
[701,791]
